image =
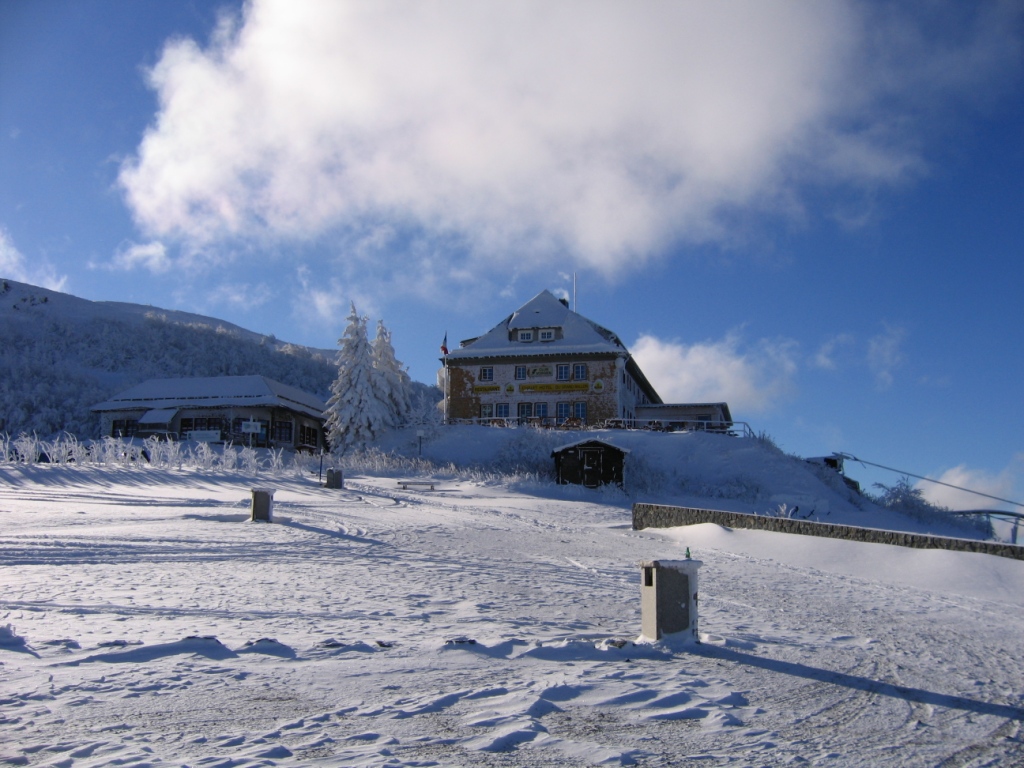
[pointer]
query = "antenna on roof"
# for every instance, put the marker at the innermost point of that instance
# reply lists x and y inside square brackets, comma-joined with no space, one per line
[573,291]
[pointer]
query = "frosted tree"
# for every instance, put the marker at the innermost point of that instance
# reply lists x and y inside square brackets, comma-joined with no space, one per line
[356,412]
[392,378]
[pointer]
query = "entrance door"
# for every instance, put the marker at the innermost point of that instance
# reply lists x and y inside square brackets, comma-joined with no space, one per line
[591,460]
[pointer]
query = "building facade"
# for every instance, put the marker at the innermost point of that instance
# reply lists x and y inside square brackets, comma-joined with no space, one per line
[245,410]
[545,364]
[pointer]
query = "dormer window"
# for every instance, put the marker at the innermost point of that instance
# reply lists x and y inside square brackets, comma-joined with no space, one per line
[526,335]
[547,334]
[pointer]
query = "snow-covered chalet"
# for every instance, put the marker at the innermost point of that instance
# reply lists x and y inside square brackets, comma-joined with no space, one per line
[545,364]
[248,410]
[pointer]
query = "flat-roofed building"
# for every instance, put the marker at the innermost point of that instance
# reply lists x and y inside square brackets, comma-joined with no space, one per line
[247,410]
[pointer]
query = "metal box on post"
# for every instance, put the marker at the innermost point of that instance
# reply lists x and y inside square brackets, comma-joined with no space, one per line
[334,479]
[668,599]
[262,504]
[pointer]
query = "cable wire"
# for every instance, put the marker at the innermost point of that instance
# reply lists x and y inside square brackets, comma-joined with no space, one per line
[851,457]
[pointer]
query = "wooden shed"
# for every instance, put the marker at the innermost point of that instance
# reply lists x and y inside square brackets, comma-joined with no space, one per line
[590,463]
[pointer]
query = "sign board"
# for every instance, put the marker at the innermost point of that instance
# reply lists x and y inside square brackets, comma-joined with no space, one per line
[572,386]
[205,435]
[254,427]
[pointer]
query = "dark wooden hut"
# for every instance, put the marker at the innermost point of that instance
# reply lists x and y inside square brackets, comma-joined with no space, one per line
[590,463]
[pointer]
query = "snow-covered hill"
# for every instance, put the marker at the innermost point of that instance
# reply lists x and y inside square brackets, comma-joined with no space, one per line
[694,469]
[145,621]
[62,354]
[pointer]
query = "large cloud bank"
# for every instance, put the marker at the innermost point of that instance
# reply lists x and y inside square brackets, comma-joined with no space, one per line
[509,132]
[750,377]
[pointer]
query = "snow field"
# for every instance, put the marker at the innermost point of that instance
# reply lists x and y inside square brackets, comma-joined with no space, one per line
[145,621]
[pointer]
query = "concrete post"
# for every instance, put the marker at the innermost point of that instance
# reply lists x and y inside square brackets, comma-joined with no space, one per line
[262,504]
[335,479]
[668,599]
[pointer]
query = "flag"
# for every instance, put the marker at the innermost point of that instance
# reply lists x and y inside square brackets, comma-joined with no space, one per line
[444,344]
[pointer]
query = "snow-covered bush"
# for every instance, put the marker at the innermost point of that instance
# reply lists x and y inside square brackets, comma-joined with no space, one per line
[736,487]
[377,462]
[424,411]
[113,451]
[768,443]
[203,456]
[643,477]
[910,501]
[27,448]
[250,460]
[229,457]
[276,458]
[61,449]
[529,451]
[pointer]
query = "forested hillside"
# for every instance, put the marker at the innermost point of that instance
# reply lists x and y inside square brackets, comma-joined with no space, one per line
[61,354]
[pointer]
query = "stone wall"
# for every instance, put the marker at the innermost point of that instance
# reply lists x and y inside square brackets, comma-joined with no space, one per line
[661,516]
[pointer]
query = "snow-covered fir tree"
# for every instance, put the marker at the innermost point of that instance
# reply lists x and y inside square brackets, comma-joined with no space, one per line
[392,377]
[356,410]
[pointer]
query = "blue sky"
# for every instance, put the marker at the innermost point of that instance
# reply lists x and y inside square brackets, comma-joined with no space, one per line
[811,210]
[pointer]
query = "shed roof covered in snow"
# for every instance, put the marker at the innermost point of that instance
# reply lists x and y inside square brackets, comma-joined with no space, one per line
[589,441]
[574,334]
[214,392]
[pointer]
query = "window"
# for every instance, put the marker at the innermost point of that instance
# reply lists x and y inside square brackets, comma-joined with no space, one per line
[579,411]
[548,334]
[282,431]
[124,428]
[520,372]
[562,411]
[540,410]
[501,411]
[236,426]
[525,410]
[579,372]
[307,436]
[562,372]
[526,335]
[487,411]
[487,373]
[200,424]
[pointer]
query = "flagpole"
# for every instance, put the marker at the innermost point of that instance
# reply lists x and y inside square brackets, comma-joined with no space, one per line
[445,393]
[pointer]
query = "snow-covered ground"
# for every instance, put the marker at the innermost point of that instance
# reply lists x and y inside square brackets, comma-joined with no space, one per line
[144,620]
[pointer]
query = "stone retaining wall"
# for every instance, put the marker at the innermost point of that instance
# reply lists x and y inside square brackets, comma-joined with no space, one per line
[662,516]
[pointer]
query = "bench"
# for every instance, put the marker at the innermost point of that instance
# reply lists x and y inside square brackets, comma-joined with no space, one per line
[407,483]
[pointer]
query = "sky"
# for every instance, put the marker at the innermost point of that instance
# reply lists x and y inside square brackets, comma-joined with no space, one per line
[813,211]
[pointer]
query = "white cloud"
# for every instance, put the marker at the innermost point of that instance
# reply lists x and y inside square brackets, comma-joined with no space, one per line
[327,303]
[826,355]
[14,267]
[511,132]
[1005,484]
[749,378]
[152,256]
[239,295]
[885,355]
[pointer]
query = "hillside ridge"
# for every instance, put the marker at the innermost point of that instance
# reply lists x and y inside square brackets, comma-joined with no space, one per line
[65,353]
